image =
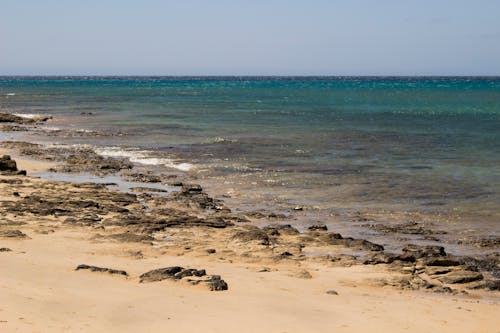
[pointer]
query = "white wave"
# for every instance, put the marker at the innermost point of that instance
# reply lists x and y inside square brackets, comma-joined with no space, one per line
[142,157]
[10,94]
[27,115]
[219,140]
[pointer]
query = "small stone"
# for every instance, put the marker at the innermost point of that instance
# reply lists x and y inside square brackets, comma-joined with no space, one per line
[211,251]
[332,292]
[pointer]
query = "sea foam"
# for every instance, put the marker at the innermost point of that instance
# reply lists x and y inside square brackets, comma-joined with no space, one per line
[142,157]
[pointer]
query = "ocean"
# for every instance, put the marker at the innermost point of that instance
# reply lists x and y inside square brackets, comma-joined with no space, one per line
[347,151]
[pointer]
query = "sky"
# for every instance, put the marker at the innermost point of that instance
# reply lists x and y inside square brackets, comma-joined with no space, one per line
[250,37]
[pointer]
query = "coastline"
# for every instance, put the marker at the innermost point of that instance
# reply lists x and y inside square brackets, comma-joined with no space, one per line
[276,281]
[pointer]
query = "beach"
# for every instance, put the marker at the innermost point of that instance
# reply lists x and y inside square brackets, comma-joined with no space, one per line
[80,256]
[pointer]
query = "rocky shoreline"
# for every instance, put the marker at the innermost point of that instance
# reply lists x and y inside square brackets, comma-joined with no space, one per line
[186,220]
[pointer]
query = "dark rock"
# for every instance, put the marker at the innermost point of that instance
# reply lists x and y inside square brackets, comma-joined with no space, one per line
[189,272]
[360,244]
[7,164]
[423,251]
[410,228]
[5,249]
[253,234]
[461,276]
[191,189]
[143,177]
[160,274]
[320,227]
[281,229]
[286,254]
[141,189]
[437,270]
[493,241]
[441,262]
[13,234]
[215,283]
[211,251]
[489,263]
[332,292]
[10,118]
[174,273]
[101,269]
[492,285]
[378,258]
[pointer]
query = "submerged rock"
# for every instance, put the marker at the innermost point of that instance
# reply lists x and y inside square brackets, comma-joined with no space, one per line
[318,227]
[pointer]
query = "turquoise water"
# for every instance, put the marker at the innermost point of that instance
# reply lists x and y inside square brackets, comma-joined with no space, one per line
[419,144]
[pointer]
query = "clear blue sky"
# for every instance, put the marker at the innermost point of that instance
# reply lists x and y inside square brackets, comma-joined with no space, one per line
[255,37]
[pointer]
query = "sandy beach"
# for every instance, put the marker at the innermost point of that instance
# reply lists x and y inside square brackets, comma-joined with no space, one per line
[270,288]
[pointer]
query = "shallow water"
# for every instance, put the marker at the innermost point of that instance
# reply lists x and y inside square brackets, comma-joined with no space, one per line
[336,146]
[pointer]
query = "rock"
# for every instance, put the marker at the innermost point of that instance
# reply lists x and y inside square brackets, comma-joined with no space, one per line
[211,251]
[10,118]
[5,249]
[489,262]
[142,189]
[280,229]
[461,276]
[13,234]
[410,228]
[492,241]
[101,269]
[332,292]
[7,164]
[362,244]
[332,238]
[215,283]
[319,227]
[378,258]
[441,262]
[174,273]
[142,177]
[252,235]
[492,285]
[423,251]
[437,270]
[160,274]
[191,189]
